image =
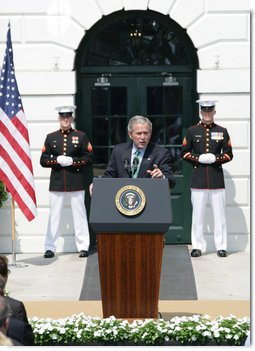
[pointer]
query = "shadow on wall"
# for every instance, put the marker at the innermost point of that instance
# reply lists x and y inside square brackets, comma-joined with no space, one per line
[237,227]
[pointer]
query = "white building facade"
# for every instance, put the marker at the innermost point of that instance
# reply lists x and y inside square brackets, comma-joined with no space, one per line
[45,35]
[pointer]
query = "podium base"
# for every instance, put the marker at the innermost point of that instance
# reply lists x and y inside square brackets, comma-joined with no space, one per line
[130,267]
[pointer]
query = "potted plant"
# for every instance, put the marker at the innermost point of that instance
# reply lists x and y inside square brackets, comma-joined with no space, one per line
[3,194]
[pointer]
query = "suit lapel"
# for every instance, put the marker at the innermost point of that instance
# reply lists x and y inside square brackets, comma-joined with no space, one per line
[146,161]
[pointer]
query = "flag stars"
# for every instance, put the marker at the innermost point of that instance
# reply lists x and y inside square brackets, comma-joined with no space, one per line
[9,94]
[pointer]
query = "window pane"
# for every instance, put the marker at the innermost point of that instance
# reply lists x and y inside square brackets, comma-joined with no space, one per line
[99,101]
[174,131]
[176,159]
[164,100]
[118,130]
[118,101]
[158,130]
[155,100]
[136,39]
[172,99]
[101,131]
[100,160]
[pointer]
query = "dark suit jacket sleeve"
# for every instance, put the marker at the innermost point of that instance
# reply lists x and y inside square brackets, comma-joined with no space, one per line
[226,155]
[112,168]
[22,312]
[20,331]
[187,152]
[47,159]
[17,309]
[164,165]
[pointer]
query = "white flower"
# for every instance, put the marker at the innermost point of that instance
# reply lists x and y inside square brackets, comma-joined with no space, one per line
[187,329]
[97,333]
[216,334]
[206,333]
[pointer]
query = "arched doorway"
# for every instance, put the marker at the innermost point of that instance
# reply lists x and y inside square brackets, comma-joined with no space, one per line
[139,62]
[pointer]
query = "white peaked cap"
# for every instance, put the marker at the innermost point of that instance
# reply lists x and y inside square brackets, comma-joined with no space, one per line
[206,103]
[66,109]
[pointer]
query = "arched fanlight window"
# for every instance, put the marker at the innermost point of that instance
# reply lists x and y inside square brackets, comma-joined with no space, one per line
[135,38]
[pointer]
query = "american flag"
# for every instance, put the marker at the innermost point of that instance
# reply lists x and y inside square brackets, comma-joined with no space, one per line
[16,170]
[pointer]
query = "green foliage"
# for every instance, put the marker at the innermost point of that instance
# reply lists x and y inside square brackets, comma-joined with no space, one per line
[3,194]
[81,329]
[230,329]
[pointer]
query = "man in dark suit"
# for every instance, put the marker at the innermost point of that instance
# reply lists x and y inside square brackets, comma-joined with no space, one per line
[139,158]
[17,307]
[67,152]
[207,147]
[18,331]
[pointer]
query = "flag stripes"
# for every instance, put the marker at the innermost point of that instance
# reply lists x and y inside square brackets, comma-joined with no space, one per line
[16,170]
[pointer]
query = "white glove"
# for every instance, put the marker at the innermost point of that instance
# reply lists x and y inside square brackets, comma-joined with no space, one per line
[207,158]
[69,161]
[64,161]
[61,160]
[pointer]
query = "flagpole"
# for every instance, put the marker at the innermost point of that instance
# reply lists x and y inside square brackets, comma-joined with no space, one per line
[14,264]
[13,235]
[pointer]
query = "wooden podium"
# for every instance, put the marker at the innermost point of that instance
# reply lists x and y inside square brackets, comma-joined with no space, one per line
[130,247]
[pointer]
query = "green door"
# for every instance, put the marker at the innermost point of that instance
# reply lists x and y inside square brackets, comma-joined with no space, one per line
[106,110]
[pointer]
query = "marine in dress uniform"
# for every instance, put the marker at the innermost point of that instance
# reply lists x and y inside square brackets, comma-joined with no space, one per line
[67,152]
[207,147]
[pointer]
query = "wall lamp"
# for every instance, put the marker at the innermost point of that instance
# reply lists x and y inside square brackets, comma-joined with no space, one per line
[102,81]
[170,80]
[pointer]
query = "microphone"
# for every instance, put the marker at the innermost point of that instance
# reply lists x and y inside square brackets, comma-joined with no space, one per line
[127,168]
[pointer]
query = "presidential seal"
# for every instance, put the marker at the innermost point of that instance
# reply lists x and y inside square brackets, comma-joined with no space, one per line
[130,200]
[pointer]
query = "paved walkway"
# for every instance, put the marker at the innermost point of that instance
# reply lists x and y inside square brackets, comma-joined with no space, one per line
[222,278]
[34,278]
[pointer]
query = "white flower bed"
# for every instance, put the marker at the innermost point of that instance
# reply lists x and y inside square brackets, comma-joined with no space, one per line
[82,329]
